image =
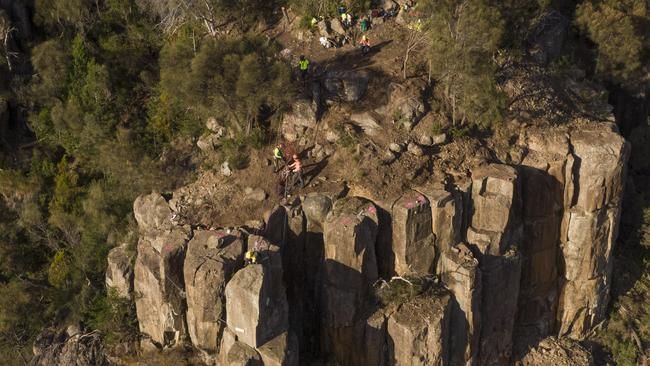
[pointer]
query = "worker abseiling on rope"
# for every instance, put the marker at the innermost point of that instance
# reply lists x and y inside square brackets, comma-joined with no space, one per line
[304,67]
[278,156]
[296,170]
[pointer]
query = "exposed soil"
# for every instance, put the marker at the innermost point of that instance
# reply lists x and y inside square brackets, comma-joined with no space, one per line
[358,164]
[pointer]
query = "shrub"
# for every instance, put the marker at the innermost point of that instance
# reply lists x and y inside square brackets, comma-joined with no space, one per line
[60,273]
[114,316]
[234,151]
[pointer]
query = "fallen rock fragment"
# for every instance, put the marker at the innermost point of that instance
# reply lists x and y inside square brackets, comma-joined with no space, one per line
[396,148]
[225,169]
[367,122]
[426,140]
[415,149]
[439,139]
[256,194]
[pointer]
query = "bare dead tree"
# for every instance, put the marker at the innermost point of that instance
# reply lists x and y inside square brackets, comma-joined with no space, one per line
[174,14]
[415,42]
[6,30]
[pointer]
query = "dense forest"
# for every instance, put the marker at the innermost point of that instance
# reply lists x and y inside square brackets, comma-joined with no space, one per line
[103,100]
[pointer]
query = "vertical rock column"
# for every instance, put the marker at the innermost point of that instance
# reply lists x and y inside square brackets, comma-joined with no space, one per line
[446,216]
[419,333]
[158,271]
[350,234]
[286,228]
[413,242]
[590,226]
[543,180]
[211,260]
[494,233]
[256,301]
[119,272]
[459,272]
[315,206]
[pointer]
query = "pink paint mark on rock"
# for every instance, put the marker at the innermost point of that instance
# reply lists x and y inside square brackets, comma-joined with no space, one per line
[345,220]
[372,209]
[409,204]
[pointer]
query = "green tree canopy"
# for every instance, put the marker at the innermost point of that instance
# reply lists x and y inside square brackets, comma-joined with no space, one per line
[465,35]
[229,79]
[620,29]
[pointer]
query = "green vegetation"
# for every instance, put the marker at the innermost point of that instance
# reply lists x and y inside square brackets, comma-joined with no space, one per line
[327,8]
[109,93]
[464,37]
[620,29]
[108,87]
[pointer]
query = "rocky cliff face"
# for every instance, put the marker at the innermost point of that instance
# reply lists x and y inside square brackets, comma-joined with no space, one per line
[511,254]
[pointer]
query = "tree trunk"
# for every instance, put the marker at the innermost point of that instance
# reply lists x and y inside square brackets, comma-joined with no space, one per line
[406,61]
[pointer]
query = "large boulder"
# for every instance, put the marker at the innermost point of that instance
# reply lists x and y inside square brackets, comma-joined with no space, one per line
[256,300]
[119,272]
[406,102]
[208,142]
[303,113]
[419,331]
[590,226]
[350,86]
[211,260]
[413,242]
[316,206]
[460,273]
[367,121]
[152,212]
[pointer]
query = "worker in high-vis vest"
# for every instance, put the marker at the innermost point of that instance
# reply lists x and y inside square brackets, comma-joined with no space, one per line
[278,156]
[304,67]
[250,257]
[364,44]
